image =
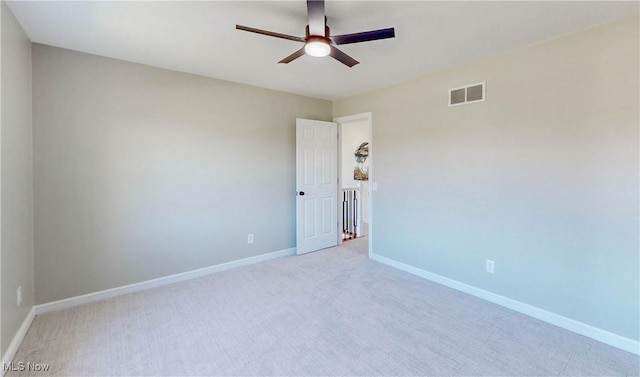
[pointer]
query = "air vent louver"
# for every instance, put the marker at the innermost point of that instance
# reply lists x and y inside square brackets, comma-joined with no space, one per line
[467,94]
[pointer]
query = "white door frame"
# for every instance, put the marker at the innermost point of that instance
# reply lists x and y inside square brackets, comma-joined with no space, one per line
[367,117]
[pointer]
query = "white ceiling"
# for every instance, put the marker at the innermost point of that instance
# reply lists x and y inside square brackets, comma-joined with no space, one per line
[200,37]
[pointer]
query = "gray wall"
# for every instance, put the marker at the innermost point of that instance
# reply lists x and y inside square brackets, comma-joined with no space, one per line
[17,192]
[141,172]
[542,177]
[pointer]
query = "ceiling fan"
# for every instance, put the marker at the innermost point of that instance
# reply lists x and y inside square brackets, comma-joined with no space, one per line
[318,41]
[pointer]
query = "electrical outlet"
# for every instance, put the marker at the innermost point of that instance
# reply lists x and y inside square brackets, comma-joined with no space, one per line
[490,266]
[250,238]
[19,295]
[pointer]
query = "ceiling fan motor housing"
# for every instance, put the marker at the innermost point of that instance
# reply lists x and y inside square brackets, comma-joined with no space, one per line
[327,31]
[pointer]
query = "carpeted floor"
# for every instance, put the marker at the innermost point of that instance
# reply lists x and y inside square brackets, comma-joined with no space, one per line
[332,313]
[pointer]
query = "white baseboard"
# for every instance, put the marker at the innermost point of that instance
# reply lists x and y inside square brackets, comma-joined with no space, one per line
[17,339]
[600,335]
[118,291]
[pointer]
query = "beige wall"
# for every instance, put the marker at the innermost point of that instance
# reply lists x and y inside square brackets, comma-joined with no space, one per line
[542,178]
[141,172]
[16,172]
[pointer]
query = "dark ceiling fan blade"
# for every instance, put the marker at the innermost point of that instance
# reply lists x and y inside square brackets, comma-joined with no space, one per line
[293,56]
[270,33]
[315,9]
[364,36]
[342,57]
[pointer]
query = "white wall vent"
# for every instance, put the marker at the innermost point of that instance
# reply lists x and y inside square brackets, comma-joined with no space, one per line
[467,94]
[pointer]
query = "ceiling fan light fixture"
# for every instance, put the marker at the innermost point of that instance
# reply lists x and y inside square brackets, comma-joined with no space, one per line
[317,46]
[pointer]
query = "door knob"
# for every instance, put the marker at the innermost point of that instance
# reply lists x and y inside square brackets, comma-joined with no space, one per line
[301,193]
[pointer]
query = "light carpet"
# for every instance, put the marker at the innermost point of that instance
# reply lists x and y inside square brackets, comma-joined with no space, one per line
[332,313]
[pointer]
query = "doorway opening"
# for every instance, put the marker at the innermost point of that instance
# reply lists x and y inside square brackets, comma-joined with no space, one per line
[355,170]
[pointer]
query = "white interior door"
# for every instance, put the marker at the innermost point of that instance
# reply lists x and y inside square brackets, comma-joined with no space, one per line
[316,185]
